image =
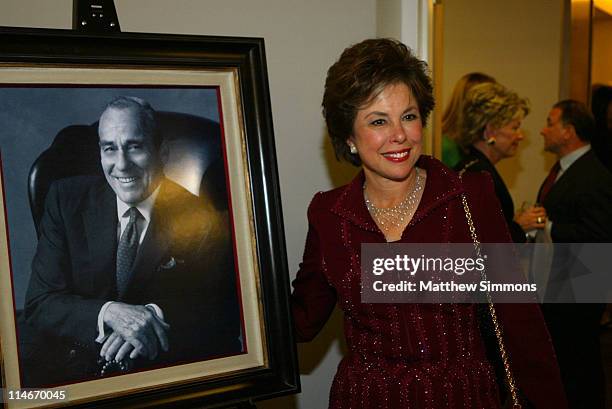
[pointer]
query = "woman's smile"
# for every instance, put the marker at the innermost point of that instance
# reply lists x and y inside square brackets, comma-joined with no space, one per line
[397,156]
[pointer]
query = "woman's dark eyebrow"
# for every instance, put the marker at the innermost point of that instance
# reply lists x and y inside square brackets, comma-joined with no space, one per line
[379,113]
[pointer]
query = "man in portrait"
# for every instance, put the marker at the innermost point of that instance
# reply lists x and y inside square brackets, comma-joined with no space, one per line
[576,195]
[131,270]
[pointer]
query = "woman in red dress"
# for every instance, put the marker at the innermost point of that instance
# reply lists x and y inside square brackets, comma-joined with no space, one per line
[377,100]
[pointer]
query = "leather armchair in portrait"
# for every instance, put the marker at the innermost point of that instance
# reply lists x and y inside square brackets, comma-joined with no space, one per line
[195,161]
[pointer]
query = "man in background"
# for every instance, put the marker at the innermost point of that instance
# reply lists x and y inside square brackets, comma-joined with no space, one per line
[577,196]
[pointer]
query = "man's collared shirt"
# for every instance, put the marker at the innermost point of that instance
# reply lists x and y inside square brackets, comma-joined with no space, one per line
[145,208]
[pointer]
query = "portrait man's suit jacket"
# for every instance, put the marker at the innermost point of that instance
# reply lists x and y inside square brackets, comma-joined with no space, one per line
[184,265]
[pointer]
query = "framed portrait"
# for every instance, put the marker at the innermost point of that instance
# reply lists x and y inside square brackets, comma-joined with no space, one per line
[143,259]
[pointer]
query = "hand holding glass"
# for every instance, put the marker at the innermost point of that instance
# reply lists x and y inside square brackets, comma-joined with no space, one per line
[531,217]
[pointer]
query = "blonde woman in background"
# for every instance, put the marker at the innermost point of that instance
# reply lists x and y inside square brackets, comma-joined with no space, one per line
[451,152]
[490,130]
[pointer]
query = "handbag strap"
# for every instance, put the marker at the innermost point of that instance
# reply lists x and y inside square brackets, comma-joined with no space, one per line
[511,382]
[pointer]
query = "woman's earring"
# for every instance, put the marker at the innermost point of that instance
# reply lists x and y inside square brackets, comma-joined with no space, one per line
[491,141]
[353,149]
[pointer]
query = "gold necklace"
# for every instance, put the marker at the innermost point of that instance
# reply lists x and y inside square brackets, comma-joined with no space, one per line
[397,215]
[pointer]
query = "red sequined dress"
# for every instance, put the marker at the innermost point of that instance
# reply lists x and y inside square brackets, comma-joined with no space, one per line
[415,355]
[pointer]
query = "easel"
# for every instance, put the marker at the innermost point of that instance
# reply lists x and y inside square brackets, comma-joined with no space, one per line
[100,16]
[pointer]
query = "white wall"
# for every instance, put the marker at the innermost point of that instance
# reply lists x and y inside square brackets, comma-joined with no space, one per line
[406,20]
[303,38]
[387,23]
[519,43]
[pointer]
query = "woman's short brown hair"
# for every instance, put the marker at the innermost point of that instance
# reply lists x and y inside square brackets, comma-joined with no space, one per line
[361,73]
[488,104]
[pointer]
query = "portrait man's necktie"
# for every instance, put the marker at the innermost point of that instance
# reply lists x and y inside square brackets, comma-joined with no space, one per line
[549,182]
[127,249]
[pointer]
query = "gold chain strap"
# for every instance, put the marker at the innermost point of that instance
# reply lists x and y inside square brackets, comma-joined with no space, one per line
[496,325]
[467,166]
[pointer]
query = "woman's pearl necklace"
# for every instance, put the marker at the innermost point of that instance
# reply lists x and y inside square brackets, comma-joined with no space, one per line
[396,216]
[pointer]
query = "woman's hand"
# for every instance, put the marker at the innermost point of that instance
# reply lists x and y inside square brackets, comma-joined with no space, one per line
[534,217]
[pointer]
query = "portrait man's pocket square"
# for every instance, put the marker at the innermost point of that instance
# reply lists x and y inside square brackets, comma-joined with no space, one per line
[170,264]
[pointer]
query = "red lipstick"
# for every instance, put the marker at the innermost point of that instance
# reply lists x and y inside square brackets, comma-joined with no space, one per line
[397,156]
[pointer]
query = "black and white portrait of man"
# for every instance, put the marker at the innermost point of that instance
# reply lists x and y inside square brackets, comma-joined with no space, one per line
[131,269]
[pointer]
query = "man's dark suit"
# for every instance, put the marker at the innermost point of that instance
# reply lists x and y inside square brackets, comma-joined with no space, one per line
[184,265]
[579,204]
